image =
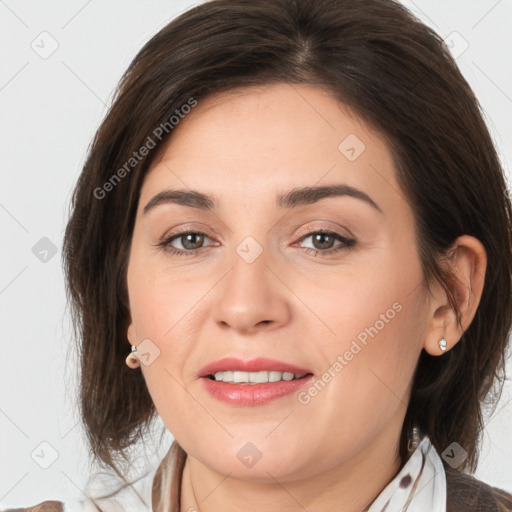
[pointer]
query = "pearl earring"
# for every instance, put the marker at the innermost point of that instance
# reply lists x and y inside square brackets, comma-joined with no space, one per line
[442,344]
[132,361]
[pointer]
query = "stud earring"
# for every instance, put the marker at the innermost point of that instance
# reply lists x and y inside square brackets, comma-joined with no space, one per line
[442,344]
[132,360]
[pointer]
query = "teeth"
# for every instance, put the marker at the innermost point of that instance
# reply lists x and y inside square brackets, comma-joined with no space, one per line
[240,377]
[274,376]
[255,377]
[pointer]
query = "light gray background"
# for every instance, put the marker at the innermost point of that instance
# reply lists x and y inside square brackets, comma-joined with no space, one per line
[51,108]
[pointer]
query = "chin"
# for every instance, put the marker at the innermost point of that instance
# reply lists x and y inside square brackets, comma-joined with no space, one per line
[264,468]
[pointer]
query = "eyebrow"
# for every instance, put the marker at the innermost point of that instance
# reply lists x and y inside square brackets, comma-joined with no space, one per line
[291,199]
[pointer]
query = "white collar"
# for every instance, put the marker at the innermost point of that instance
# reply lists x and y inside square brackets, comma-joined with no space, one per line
[419,486]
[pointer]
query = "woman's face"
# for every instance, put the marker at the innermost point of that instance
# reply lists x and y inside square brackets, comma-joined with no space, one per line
[256,278]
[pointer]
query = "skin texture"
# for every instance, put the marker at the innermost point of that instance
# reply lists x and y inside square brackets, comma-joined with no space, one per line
[338,451]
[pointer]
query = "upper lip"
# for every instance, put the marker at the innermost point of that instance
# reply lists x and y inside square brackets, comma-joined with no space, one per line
[252,365]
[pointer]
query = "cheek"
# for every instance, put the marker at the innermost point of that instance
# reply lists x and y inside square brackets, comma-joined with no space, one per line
[376,304]
[169,306]
[376,321]
[161,298]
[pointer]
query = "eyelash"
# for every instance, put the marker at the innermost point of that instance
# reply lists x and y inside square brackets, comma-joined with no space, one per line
[346,243]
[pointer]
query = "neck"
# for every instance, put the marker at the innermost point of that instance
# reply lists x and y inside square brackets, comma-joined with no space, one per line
[349,487]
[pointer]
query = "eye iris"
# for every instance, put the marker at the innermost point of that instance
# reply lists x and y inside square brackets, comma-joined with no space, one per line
[321,238]
[187,240]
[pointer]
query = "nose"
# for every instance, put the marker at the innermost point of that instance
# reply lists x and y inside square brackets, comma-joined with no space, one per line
[251,297]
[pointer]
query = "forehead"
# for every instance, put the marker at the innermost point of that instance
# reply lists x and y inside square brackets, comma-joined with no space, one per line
[250,141]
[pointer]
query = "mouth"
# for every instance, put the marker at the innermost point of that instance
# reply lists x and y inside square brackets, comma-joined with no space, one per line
[254,382]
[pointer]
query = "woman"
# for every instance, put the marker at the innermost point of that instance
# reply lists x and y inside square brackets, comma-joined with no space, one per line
[295,217]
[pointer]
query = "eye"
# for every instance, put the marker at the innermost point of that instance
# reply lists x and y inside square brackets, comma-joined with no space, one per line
[191,243]
[323,242]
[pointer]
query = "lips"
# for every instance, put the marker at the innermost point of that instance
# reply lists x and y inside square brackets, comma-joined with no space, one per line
[253,365]
[252,394]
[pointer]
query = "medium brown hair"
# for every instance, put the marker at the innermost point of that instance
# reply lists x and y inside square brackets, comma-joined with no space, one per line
[397,75]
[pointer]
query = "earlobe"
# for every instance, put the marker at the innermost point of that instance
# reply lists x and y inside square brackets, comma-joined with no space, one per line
[130,334]
[132,360]
[464,265]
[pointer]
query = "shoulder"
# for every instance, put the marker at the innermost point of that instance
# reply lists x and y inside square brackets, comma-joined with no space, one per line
[45,506]
[465,493]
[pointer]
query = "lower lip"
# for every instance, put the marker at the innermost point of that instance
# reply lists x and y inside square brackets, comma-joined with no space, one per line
[253,394]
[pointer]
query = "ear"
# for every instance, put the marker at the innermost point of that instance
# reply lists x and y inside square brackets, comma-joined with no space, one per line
[131,334]
[465,262]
